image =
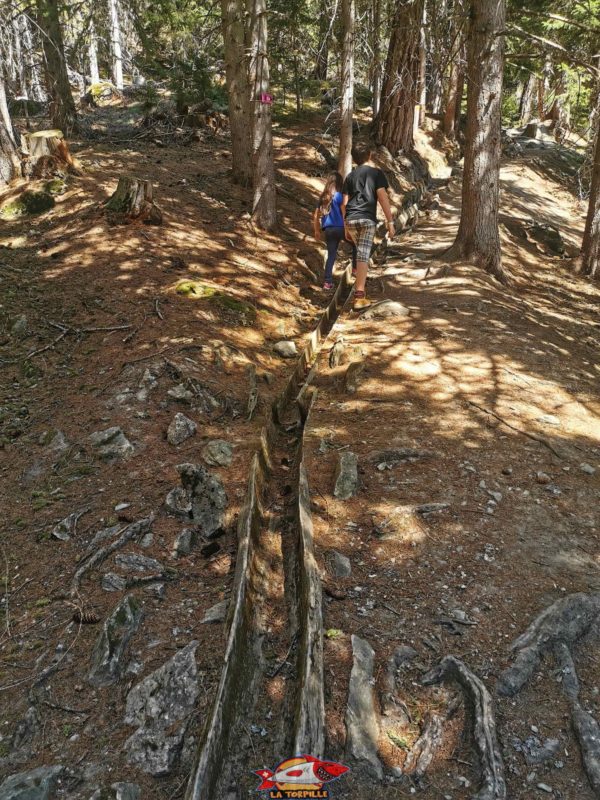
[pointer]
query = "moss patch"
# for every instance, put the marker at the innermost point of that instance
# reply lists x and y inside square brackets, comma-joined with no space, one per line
[225,302]
[28,203]
[195,289]
[55,186]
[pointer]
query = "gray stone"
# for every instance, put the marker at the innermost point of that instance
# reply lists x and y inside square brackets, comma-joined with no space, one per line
[385,310]
[178,503]
[20,327]
[38,784]
[218,453]
[362,728]
[346,476]
[184,542]
[111,645]
[431,508]
[286,349]
[179,394]
[111,444]
[163,699]
[353,375]
[180,429]
[58,443]
[156,590]
[118,791]
[132,562]
[146,540]
[339,565]
[111,582]
[587,468]
[26,730]
[207,496]
[216,613]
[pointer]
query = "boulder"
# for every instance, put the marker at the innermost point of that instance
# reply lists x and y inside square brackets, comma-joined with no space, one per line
[184,542]
[133,562]
[346,476]
[218,453]
[339,565]
[180,429]
[111,582]
[179,394]
[216,613]
[385,310]
[286,349]
[37,784]
[111,444]
[207,497]
[111,646]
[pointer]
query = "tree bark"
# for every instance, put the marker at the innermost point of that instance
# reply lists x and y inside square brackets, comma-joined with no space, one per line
[527,99]
[133,200]
[10,164]
[264,210]
[236,75]
[35,81]
[93,53]
[589,258]
[395,121]
[422,94]
[62,105]
[347,99]
[478,239]
[322,62]
[47,154]
[116,44]
[450,112]
[376,82]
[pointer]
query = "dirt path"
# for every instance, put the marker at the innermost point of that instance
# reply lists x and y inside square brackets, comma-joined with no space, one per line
[484,401]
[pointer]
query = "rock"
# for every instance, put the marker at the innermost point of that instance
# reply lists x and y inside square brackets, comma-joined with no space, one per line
[339,565]
[546,235]
[38,784]
[180,429]
[385,310]
[207,497]
[58,443]
[156,590]
[399,455]
[353,375]
[66,527]
[111,582]
[111,444]
[430,508]
[132,562]
[545,788]
[109,650]
[184,542]
[218,453]
[496,496]
[216,613]
[118,791]
[179,394]
[543,477]
[587,468]
[346,476]
[146,540]
[536,752]
[163,699]
[286,349]
[26,730]
[362,729]
[178,503]
[20,327]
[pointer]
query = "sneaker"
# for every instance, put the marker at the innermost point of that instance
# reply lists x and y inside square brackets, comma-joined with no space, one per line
[327,286]
[353,272]
[360,303]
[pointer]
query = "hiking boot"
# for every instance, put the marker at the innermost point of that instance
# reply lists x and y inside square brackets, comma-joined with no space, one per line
[328,286]
[360,303]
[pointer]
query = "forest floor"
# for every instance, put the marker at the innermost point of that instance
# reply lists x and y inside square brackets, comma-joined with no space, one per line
[104,338]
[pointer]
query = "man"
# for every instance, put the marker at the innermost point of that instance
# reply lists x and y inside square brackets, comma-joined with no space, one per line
[363,188]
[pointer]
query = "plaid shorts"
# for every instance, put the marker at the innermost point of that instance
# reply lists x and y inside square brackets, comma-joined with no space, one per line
[362,232]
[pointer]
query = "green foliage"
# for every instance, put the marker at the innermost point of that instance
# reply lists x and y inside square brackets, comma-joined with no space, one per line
[28,203]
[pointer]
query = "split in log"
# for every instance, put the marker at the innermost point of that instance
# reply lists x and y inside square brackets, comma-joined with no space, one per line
[479,701]
[132,201]
[47,154]
[566,621]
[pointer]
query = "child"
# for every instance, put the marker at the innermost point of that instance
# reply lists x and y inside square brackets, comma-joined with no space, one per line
[363,188]
[328,218]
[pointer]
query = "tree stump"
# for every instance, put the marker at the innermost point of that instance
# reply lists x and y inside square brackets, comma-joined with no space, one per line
[132,201]
[47,154]
[532,130]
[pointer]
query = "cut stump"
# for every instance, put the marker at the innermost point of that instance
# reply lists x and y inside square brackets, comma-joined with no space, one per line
[47,154]
[132,201]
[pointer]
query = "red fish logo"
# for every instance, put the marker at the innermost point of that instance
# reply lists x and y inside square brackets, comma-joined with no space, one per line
[300,777]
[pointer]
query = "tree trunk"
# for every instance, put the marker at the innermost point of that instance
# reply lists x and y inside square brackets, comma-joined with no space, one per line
[115,44]
[264,210]
[477,238]
[589,258]
[62,106]
[527,99]
[47,154]
[450,112]
[133,201]
[322,63]
[37,90]
[10,165]
[376,56]
[460,90]
[238,89]
[395,121]
[422,96]
[347,88]
[93,54]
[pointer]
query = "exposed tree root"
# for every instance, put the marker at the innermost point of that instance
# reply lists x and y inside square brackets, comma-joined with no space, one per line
[479,700]
[566,621]
[424,749]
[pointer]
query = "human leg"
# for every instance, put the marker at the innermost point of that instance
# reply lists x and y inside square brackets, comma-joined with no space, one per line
[333,237]
[363,234]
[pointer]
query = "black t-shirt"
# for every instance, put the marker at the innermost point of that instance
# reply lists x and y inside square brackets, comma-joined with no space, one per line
[361,187]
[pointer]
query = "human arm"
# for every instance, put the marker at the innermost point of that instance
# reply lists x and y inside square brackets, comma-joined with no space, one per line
[384,202]
[343,209]
[317,224]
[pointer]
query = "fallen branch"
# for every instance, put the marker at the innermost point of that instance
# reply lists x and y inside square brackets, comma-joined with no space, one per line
[493,786]
[535,437]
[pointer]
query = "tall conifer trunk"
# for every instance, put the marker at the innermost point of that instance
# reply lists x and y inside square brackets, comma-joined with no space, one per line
[233,17]
[347,103]
[62,105]
[589,259]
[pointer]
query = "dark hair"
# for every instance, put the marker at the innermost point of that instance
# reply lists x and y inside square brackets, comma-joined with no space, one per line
[361,153]
[333,184]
